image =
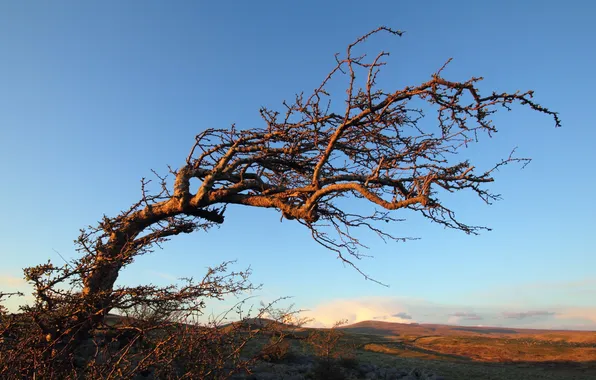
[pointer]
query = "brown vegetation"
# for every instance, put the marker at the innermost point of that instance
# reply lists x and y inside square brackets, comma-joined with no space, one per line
[497,352]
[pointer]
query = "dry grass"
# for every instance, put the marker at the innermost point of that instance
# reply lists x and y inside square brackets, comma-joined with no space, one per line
[510,350]
[482,353]
[400,351]
[461,354]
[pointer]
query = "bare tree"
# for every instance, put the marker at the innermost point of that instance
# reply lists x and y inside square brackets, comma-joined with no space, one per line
[373,145]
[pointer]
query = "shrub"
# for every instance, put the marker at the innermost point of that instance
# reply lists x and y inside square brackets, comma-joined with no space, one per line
[276,350]
[349,362]
[327,370]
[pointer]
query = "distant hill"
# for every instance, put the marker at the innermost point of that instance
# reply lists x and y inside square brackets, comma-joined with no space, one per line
[416,329]
[252,323]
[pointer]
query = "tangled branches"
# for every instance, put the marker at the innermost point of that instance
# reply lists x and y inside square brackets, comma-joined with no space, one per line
[373,146]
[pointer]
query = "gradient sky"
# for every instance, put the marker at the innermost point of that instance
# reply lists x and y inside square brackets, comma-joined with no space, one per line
[95,94]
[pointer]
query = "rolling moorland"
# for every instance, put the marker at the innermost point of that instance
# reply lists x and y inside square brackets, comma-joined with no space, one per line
[454,352]
[458,352]
[382,350]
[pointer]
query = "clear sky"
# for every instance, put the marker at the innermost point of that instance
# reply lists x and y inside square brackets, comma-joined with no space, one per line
[95,94]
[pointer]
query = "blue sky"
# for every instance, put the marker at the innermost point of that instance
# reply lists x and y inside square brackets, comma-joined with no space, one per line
[95,94]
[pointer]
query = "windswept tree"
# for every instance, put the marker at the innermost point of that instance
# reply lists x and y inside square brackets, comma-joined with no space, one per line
[369,144]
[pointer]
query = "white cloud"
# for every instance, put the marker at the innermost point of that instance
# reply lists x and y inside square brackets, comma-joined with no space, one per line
[358,310]
[527,314]
[10,282]
[538,295]
[405,310]
[588,313]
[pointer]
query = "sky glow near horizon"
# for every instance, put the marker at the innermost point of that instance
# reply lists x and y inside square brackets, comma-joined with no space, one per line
[95,95]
